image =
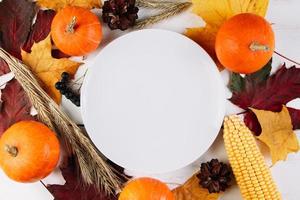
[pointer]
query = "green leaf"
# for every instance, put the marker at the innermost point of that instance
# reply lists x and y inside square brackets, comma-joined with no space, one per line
[261,75]
[237,82]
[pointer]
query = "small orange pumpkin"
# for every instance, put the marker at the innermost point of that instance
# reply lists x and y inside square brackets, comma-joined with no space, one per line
[146,189]
[29,151]
[245,43]
[76,31]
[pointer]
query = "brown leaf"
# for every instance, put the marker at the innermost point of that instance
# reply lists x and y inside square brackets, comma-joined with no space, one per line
[214,14]
[191,190]
[277,133]
[47,68]
[59,4]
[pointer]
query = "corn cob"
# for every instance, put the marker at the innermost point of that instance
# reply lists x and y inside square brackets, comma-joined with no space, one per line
[252,174]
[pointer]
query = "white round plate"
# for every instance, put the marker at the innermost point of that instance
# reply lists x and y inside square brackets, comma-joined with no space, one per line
[153,101]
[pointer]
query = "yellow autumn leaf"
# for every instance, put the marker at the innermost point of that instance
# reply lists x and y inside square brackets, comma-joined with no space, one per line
[205,36]
[191,190]
[214,13]
[59,4]
[277,133]
[47,68]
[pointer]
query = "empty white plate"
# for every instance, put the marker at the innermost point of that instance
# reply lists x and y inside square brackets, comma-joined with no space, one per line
[153,101]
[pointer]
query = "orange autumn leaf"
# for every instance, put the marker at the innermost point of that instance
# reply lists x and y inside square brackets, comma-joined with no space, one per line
[277,133]
[214,13]
[47,68]
[191,190]
[59,4]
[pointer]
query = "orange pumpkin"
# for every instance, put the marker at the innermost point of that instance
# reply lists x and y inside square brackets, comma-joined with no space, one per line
[245,43]
[29,151]
[146,189]
[76,31]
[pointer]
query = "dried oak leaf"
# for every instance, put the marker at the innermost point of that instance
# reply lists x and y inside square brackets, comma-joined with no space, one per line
[269,94]
[277,133]
[15,104]
[191,190]
[59,4]
[214,14]
[72,189]
[15,22]
[47,68]
[41,28]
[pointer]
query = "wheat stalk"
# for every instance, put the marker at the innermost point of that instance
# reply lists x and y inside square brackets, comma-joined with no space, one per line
[173,10]
[155,4]
[93,168]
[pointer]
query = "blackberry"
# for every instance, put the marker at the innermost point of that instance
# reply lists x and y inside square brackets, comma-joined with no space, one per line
[59,85]
[65,88]
[65,76]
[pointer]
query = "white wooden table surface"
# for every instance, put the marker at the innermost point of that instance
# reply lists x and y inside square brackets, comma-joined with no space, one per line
[285,16]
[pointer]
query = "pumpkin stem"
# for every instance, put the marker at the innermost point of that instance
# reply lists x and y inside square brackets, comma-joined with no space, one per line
[255,46]
[71,25]
[12,150]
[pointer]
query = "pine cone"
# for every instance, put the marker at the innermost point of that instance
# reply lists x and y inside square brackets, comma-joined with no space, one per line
[119,14]
[215,176]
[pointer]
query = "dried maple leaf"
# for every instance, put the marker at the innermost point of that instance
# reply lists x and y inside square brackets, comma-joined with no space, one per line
[40,29]
[72,189]
[279,89]
[59,4]
[191,190]
[214,14]
[15,105]
[47,68]
[277,133]
[15,22]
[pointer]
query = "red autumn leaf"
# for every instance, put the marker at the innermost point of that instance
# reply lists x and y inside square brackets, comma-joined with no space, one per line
[277,90]
[295,115]
[72,189]
[58,54]
[15,21]
[4,69]
[40,29]
[15,105]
